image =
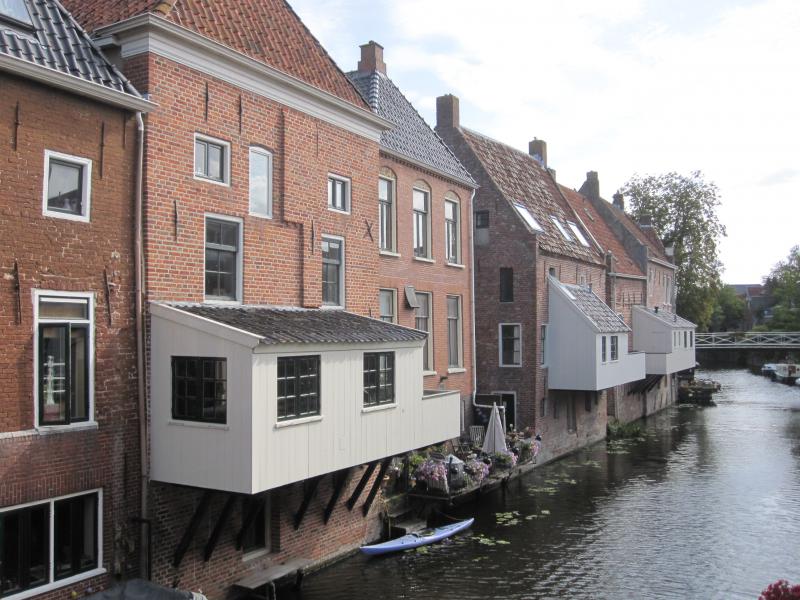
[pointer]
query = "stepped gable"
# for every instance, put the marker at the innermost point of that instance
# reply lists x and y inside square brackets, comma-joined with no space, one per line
[522,179]
[411,136]
[600,230]
[266,30]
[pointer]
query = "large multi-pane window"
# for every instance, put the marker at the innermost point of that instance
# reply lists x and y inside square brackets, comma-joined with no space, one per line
[211,159]
[454,352]
[332,271]
[260,182]
[199,389]
[422,248]
[68,181]
[422,322]
[75,535]
[510,345]
[378,378]
[222,259]
[506,284]
[452,231]
[338,193]
[387,305]
[65,328]
[298,387]
[386,214]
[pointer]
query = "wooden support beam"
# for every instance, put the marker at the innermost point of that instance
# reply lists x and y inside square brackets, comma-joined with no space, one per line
[250,515]
[339,479]
[220,525]
[351,502]
[191,528]
[376,485]
[310,486]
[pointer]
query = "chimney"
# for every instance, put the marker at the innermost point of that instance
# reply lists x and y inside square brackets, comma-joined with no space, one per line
[371,58]
[591,187]
[645,221]
[447,113]
[538,150]
[619,201]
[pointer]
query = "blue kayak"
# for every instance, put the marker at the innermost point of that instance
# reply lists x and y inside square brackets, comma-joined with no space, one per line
[415,540]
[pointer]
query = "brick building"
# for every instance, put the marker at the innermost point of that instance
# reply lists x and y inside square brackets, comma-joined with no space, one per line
[423,231]
[69,460]
[276,396]
[547,345]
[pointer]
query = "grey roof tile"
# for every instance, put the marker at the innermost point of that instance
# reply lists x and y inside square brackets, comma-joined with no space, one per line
[290,325]
[411,136]
[590,304]
[669,318]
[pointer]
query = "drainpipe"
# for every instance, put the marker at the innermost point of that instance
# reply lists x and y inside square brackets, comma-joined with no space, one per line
[144,566]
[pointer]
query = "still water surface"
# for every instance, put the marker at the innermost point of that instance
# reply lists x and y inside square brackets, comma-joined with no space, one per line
[705,505]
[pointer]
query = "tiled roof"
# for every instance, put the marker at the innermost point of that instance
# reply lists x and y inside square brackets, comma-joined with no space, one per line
[289,325]
[521,179]
[411,136]
[57,42]
[668,318]
[266,30]
[647,236]
[601,232]
[598,312]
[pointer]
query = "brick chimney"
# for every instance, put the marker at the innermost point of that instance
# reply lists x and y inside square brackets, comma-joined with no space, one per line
[538,149]
[619,201]
[447,113]
[591,187]
[371,58]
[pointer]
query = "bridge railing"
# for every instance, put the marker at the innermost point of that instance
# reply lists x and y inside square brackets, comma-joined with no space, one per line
[749,339]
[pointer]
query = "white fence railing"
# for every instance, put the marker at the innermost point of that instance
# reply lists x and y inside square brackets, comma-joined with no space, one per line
[749,339]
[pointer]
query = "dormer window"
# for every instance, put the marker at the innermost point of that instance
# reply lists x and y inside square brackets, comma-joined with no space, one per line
[561,228]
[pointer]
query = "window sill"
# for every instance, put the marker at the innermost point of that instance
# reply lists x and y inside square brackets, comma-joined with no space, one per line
[510,366]
[456,370]
[338,210]
[425,260]
[379,407]
[254,554]
[50,429]
[293,422]
[221,301]
[332,307]
[209,180]
[428,373]
[260,215]
[455,265]
[198,424]
[389,253]
[48,587]
[68,216]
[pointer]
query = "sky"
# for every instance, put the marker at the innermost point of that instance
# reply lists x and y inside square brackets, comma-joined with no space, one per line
[620,87]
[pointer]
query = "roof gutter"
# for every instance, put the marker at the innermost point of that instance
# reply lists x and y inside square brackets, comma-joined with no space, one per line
[663,263]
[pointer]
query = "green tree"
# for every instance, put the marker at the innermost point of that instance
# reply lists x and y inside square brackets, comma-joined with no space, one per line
[729,311]
[684,215]
[783,283]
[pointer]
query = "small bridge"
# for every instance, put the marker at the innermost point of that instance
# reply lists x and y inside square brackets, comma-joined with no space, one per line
[743,340]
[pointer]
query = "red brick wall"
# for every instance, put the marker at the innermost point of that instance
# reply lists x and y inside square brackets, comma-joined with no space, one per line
[657,284]
[58,254]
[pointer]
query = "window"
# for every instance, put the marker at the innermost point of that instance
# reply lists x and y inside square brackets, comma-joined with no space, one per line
[603,349]
[482,219]
[421,224]
[506,284]
[387,304]
[685,339]
[452,232]
[255,537]
[298,387]
[211,159]
[378,378]
[614,347]
[552,272]
[528,217]
[63,533]
[67,188]
[339,193]
[422,322]
[16,10]
[260,182]
[560,227]
[454,331]
[199,389]
[386,214]
[223,259]
[510,345]
[578,233]
[691,339]
[64,358]
[543,337]
[332,271]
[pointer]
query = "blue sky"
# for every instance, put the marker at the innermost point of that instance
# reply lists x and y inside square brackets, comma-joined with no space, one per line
[619,87]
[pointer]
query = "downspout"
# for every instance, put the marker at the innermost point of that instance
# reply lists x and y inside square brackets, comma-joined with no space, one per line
[144,566]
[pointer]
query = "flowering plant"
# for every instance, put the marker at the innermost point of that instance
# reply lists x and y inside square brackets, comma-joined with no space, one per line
[504,460]
[780,590]
[431,471]
[476,469]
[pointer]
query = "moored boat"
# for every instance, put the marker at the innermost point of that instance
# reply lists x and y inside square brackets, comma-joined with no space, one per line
[415,540]
[768,370]
[787,373]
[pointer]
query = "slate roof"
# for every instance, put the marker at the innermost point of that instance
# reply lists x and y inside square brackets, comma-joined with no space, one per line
[266,30]
[57,42]
[290,325]
[522,179]
[598,312]
[668,318]
[411,136]
[601,232]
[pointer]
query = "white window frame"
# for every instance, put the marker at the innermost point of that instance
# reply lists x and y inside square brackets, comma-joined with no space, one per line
[613,348]
[393,292]
[239,259]
[226,160]
[347,193]
[86,186]
[89,296]
[603,349]
[342,271]
[54,584]
[500,345]
[430,367]
[578,234]
[392,215]
[268,155]
[564,233]
[460,331]
[428,256]
[528,217]
[453,260]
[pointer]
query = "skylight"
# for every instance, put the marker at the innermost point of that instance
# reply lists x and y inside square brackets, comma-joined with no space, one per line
[561,228]
[15,10]
[578,233]
[528,217]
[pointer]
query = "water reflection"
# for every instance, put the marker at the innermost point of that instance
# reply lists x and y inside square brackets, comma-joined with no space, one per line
[703,505]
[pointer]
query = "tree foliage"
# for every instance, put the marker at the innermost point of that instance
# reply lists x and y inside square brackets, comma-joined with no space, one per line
[729,311]
[684,215]
[783,284]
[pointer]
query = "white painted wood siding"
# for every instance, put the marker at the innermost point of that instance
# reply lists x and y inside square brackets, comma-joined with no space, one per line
[655,338]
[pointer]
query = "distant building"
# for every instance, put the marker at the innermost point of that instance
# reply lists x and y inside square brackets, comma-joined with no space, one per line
[757,301]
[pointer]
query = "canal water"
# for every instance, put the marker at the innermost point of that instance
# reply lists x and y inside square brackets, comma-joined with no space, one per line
[705,504]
